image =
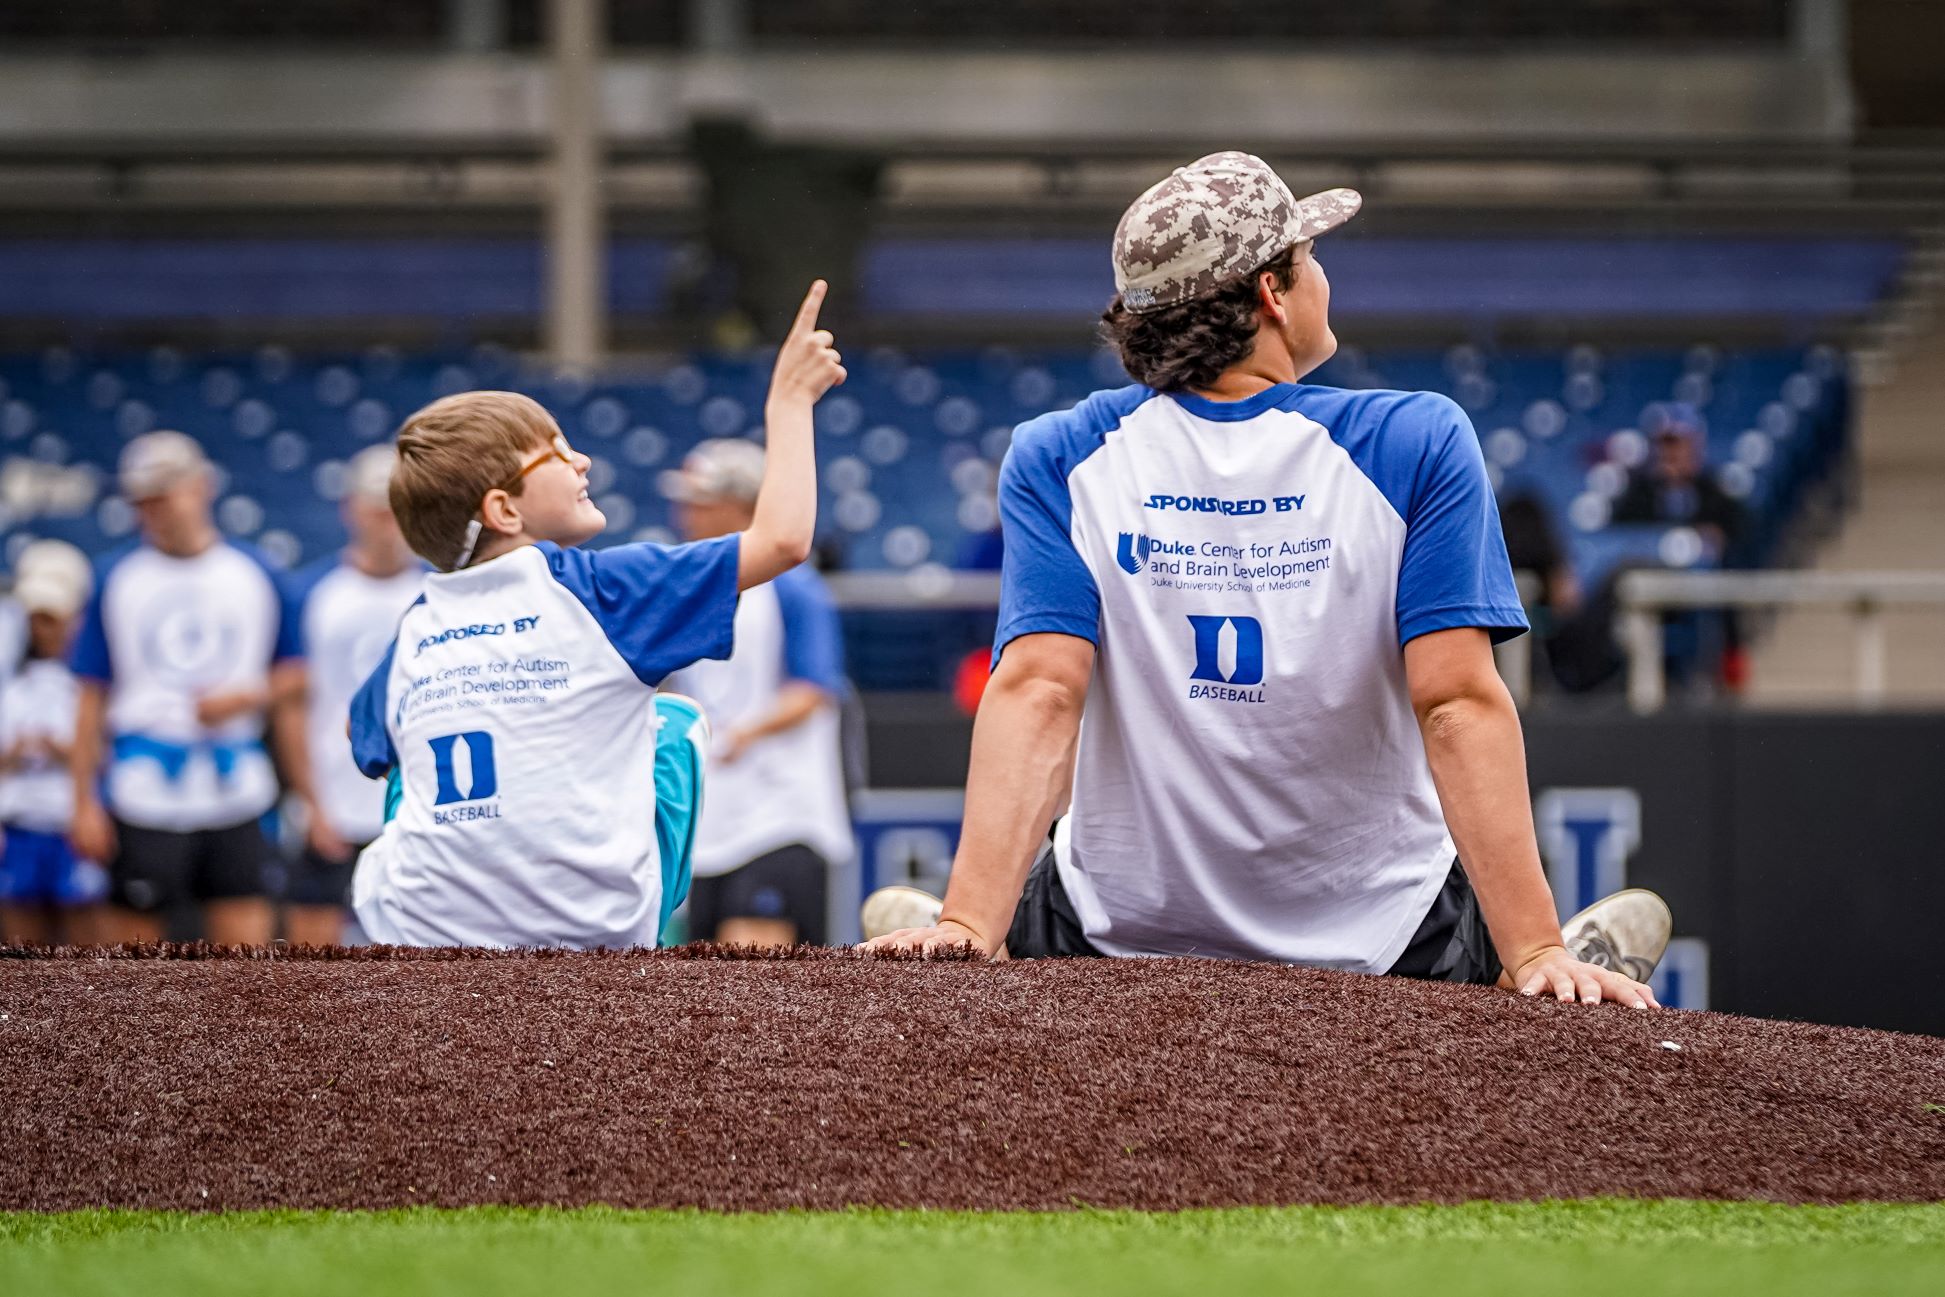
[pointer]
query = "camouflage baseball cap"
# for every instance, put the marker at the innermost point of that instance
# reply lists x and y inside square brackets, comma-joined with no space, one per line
[1219,217]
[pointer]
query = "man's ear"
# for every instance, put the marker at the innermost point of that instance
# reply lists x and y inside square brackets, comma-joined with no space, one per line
[1269,298]
[501,512]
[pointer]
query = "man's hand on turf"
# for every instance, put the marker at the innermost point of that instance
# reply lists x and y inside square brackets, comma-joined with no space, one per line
[942,936]
[1553,971]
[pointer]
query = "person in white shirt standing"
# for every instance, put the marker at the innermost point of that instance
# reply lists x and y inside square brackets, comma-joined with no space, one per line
[188,641]
[1245,633]
[349,607]
[48,894]
[775,819]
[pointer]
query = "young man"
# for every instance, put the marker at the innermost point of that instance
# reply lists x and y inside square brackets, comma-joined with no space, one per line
[775,820]
[47,893]
[187,641]
[349,606]
[1247,626]
[546,793]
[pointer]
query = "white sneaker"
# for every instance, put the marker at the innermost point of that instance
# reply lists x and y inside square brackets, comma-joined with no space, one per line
[890,909]
[1625,933]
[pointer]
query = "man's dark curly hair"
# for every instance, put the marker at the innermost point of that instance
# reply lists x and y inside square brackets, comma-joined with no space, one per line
[1187,345]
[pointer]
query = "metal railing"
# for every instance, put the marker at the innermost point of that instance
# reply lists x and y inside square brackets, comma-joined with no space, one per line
[1646,595]
[923,589]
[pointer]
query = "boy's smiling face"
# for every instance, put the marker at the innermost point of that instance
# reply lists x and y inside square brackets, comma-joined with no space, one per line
[553,503]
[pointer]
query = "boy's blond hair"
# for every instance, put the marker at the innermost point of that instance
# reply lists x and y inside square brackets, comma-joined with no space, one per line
[450,454]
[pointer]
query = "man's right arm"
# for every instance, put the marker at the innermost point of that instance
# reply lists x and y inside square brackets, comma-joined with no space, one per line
[1022,765]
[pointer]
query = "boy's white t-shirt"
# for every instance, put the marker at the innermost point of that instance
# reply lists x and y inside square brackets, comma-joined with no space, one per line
[347,619]
[517,701]
[1251,782]
[38,703]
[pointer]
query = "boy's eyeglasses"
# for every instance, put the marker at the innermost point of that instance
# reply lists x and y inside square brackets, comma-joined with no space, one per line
[556,449]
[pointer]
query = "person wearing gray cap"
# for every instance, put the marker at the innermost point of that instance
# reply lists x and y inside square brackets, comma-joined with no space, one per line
[349,604]
[1245,634]
[187,641]
[775,820]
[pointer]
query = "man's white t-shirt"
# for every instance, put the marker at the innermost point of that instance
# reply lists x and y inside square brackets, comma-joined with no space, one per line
[38,704]
[160,633]
[347,619]
[517,702]
[1251,782]
[786,788]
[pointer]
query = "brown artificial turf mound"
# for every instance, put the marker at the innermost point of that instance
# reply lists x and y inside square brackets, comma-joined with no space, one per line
[187,1078]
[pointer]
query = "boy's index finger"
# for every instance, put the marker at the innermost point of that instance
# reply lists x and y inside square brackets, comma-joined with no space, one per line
[807,313]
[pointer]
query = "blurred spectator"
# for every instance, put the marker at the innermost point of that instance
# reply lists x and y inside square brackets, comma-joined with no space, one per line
[348,610]
[188,640]
[47,893]
[774,819]
[1575,635]
[1533,545]
[1674,489]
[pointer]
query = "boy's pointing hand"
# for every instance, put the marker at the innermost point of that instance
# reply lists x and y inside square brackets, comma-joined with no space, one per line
[808,364]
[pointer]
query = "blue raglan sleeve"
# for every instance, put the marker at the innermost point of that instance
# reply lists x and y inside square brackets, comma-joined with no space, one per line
[371,736]
[813,639]
[1454,571]
[290,621]
[1045,585]
[89,657]
[288,589]
[294,590]
[661,606]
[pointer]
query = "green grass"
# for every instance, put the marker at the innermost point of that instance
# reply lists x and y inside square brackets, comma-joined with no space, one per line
[1495,1250]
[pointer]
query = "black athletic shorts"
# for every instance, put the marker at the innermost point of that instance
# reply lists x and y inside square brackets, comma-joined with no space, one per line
[1450,945]
[316,880]
[789,883]
[156,869]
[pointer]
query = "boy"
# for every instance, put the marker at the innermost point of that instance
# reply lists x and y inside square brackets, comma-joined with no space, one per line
[546,794]
[47,893]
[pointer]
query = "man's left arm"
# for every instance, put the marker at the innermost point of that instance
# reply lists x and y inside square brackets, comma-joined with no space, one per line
[1478,759]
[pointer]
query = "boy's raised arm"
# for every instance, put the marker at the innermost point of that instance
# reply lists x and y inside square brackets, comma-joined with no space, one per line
[780,535]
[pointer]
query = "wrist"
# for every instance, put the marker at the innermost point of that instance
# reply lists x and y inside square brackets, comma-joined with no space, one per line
[1532,953]
[975,930]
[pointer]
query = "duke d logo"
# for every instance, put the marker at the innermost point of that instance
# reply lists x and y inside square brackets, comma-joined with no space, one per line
[482,780]
[1244,650]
